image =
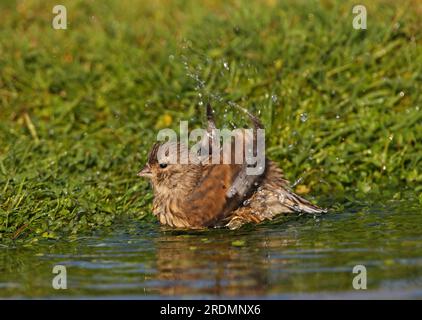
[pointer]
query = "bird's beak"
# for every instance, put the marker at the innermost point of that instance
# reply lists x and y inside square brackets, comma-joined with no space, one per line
[145,172]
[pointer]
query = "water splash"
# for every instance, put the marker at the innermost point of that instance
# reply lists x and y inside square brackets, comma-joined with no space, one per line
[303,117]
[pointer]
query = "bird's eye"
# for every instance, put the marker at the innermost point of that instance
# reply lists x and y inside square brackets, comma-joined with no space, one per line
[163,165]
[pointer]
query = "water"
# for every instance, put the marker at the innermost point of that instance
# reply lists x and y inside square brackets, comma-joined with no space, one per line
[294,257]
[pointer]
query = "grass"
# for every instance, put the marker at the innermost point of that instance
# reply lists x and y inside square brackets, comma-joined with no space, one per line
[79,108]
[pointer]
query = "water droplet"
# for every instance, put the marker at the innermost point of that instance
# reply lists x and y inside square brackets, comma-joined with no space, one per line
[274,98]
[226,65]
[337,116]
[303,117]
[297,182]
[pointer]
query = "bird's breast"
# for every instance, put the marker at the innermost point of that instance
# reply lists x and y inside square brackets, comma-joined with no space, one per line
[168,213]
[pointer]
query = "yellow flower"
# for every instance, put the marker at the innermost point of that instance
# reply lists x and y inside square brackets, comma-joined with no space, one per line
[302,189]
[164,121]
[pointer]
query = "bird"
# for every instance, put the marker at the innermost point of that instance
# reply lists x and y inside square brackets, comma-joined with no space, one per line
[202,194]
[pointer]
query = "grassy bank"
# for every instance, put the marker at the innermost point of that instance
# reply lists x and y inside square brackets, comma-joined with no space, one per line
[79,108]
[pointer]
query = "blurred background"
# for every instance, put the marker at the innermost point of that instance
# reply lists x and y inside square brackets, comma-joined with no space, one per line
[80,108]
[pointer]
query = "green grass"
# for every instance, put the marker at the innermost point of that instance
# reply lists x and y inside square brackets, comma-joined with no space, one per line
[79,108]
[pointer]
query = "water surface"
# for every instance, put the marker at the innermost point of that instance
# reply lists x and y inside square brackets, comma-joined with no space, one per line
[295,257]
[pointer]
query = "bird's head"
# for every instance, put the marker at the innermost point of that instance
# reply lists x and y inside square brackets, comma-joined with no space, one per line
[167,172]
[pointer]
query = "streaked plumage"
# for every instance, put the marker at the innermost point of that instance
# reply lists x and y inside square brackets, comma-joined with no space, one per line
[208,195]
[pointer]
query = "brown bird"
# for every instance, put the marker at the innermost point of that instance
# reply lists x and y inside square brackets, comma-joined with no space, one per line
[204,194]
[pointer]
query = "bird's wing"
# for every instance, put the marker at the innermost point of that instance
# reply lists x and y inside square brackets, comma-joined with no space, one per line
[208,203]
[223,187]
[243,183]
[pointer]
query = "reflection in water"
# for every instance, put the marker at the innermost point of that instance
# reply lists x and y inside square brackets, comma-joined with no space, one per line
[229,269]
[293,257]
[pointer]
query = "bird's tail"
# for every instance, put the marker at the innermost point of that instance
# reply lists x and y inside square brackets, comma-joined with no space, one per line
[299,204]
